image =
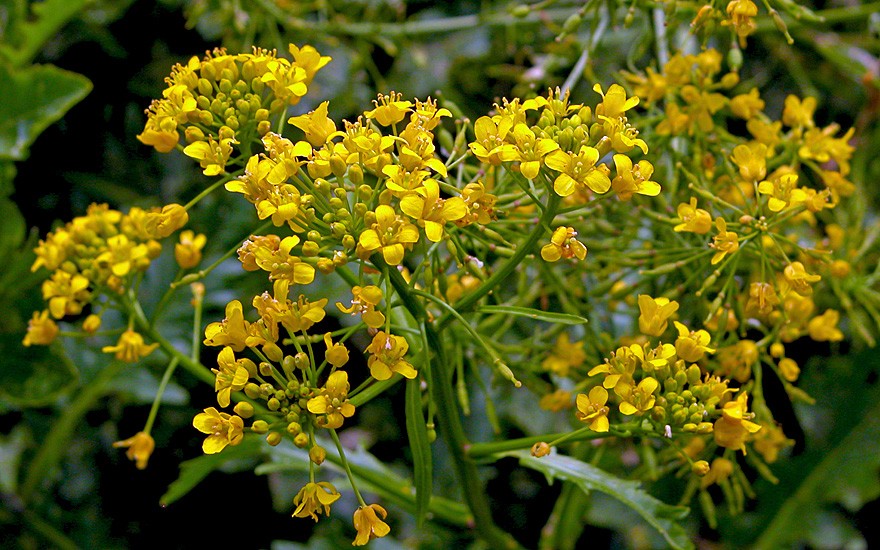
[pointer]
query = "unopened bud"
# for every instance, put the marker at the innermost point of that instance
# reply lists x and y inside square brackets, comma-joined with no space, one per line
[244,409]
[540,449]
[317,454]
[273,438]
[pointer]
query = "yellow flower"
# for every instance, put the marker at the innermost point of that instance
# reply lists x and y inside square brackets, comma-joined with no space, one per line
[223,429]
[762,299]
[577,171]
[748,105]
[693,219]
[719,472]
[725,242]
[563,244]
[432,212]
[797,113]
[734,426]
[796,276]
[789,369]
[783,192]
[592,409]
[231,376]
[742,16]
[530,151]
[751,159]
[364,303]
[332,401]
[41,330]
[390,235]
[231,331]
[130,347]
[736,361]
[316,125]
[654,314]
[369,525]
[556,401]
[691,345]
[632,179]
[212,155]
[314,497]
[769,441]
[387,351]
[161,223]
[823,328]
[122,255]
[66,293]
[490,146]
[566,354]
[336,354]
[637,400]
[140,446]
[389,109]
[188,252]
[614,101]
[620,368]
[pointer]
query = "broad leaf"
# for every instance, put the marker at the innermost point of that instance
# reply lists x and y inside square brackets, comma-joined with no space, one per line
[663,517]
[34,98]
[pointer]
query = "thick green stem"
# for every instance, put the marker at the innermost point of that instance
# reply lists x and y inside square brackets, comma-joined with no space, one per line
[55,444]
[450,422]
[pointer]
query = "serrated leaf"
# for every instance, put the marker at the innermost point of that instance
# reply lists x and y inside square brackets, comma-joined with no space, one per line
[536,314]
[663,517]
[34,98]
[33,376]
[193,471]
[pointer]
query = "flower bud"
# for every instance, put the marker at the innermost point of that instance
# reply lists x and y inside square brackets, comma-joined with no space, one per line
[540,449]
[700,468]
[317,454]
[260,426]
[274,438]
[244,409]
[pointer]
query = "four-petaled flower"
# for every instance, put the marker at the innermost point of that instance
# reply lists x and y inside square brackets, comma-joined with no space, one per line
[563,244]
[332,401]
[386,357]
[578,170]
[369,524]
[391,235]
[314,499]
[223,429]
[592,409]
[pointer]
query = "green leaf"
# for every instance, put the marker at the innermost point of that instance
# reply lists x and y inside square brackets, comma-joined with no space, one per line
[192,472]
[33,376]
[34,98]
[12,227]
[536,314]
[417,432]
[663,517]
[30,31]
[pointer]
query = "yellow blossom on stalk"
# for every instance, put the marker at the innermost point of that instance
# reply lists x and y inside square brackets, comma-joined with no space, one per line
[556,401]
[430,211]
[386,357]
[223,429]
[620,367]
[188,252]
[693,219]
[639,399]
[718,473]
[762,299]
[364,302]
[823,328]
[122,255]
[490,146]
[742,17]
[735,425]
[369,524]
[316,125]
[162,223]
[231,331]
[130,347]
[315,498]
[751,159]
[332,401]
[427,114]
[691,345]
[789,369]
[479,203]
[796,276]
[701,105]
[769,441]
[725,242]
[279,262]
[675,121]
[389,109]
[736,361]
[391,235]
[231,376]
[748,105]
[302,314]
[337,353]
[566,354]
[577,171]
[797,113]
[309,59]
[783,192]
[212,155]
[821,146]
[563,244]
[768,133]
[654,314]
[530,150]
[65,293]
[140,446]
[633,179]
[592,409]
[614,101]
[41,330]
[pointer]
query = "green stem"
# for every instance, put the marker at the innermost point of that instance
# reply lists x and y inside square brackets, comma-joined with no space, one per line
[47,531]
[55,444]
[154,410]
[512,263]
[346,467]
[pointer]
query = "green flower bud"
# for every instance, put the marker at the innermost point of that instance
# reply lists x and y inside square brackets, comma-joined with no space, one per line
[274,438]
[252,390]
[301,441]
[260,426]
[244,409]
[273,404]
